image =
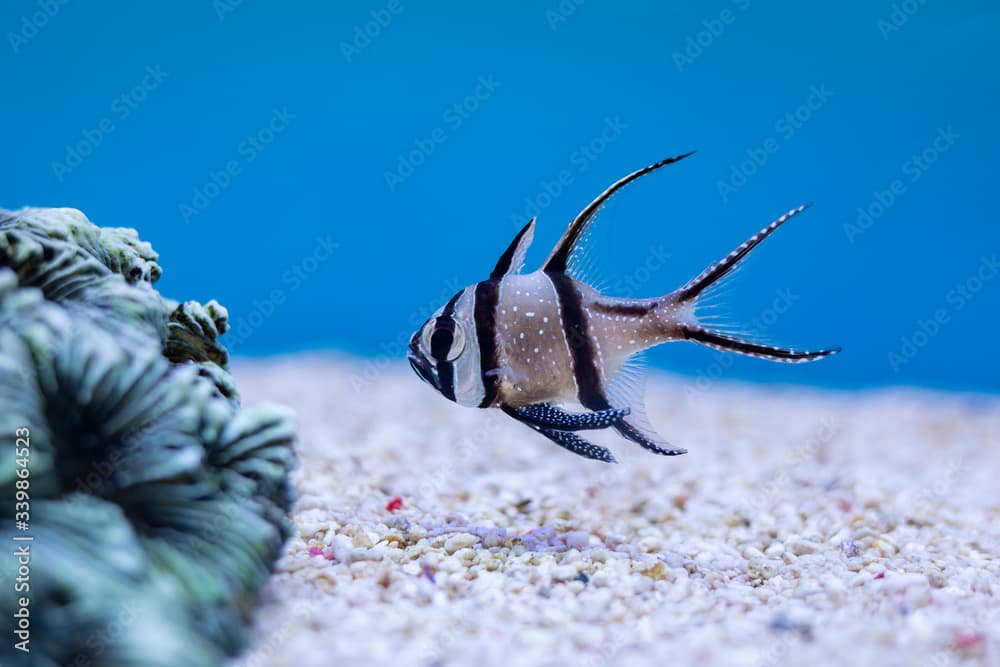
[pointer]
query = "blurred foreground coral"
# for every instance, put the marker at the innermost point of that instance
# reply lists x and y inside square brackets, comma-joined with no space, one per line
[155,505]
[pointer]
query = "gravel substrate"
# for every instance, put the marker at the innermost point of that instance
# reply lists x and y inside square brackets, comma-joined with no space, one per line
[803,528]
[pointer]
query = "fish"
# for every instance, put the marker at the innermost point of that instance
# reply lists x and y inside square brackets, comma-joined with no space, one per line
[532,344]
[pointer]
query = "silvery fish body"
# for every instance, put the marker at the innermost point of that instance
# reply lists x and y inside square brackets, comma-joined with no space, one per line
[531,343]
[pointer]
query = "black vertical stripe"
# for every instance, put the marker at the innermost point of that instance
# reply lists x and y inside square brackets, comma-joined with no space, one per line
[446,379]
[442,338]
[485,308]
[445,323]
[581,348]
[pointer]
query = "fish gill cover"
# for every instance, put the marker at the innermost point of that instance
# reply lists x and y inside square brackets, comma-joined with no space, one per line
[155,505]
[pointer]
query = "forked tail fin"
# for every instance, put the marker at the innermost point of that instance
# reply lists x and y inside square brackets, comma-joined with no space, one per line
[695,331]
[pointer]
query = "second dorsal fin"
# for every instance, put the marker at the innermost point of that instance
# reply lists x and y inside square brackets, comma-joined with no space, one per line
[558,260]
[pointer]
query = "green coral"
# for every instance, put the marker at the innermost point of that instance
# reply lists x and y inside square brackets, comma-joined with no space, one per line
[158,505]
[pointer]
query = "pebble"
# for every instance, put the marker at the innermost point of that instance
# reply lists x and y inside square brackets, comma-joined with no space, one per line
[459,541]
[802,547]
[465,554]
[494,539]
[599,555]
[776,550]
[650,545]
[764,568]
[849,548]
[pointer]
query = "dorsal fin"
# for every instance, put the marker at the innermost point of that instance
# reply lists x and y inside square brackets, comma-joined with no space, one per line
[512,259]
[558,261]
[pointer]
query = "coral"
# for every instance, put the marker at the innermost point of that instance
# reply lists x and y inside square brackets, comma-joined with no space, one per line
[156,505]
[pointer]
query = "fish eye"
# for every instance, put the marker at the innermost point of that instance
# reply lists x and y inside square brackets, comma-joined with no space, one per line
[444,338]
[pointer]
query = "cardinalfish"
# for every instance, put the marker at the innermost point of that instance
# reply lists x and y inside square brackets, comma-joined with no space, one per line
[530,344]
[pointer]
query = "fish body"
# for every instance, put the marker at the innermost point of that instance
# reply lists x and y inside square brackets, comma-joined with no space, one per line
[551,325]
[532,343]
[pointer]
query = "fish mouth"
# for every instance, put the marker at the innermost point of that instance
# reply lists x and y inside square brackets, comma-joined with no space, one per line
[419,363]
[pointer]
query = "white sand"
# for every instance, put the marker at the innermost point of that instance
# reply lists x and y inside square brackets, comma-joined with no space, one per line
[803,527]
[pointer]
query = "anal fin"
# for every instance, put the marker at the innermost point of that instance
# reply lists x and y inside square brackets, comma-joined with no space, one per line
[628,388]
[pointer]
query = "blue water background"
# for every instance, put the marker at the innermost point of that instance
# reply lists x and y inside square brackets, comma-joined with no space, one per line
[333,172]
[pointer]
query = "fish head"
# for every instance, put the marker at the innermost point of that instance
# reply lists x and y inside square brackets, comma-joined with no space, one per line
[443,352]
